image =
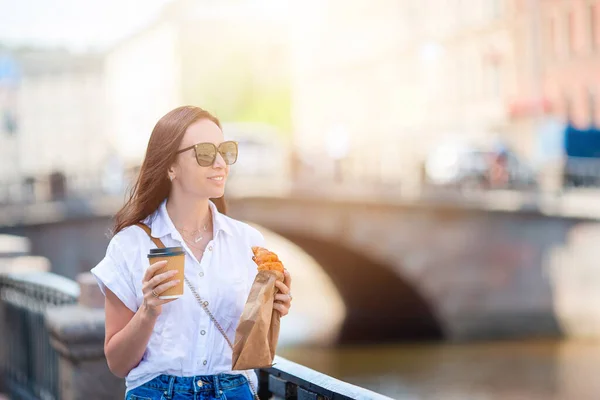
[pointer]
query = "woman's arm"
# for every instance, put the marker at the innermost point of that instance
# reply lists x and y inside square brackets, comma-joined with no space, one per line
[128,333]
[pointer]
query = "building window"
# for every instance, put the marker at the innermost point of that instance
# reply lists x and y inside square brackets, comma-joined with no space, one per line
[568,108]
[495,77]
[552,33]
[592,106]
[570,33]
[495,9]
[593,28]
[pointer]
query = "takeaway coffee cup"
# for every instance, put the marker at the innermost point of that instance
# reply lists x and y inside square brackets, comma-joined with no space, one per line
[175,257]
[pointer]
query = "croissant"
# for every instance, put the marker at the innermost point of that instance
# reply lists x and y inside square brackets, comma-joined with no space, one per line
[266,260]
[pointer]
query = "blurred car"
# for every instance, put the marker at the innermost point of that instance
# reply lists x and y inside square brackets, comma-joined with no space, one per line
[457,165]
[521,175]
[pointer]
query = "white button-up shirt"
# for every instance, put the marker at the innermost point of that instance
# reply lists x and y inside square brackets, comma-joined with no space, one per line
[184,341]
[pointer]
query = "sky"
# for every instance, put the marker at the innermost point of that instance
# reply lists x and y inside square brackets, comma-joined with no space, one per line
[79,25]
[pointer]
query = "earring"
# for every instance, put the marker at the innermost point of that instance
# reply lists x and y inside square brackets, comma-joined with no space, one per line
[171,178]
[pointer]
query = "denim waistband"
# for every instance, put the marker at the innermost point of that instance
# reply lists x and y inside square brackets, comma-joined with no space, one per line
[195,384]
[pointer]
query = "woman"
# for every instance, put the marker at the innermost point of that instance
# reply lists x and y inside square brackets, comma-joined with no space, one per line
[170,348]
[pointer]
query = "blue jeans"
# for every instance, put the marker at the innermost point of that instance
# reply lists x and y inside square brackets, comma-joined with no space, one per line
[209,387]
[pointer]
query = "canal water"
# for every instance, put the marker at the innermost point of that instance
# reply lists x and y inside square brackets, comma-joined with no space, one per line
[517,370]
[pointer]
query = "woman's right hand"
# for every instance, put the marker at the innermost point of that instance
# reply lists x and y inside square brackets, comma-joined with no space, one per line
[153,285]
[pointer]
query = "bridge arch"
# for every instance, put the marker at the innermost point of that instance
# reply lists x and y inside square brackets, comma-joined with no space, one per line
[380,304]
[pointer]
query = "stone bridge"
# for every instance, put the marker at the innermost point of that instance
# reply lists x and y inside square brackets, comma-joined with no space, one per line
[406,270]
[415,271]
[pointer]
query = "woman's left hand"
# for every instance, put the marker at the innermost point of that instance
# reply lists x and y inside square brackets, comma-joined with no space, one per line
[283,299]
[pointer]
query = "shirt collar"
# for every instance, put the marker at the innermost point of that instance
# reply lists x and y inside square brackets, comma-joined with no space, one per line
[162,225]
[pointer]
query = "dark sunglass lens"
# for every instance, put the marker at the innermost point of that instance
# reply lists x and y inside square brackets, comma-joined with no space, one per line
[205,154]
[229,152]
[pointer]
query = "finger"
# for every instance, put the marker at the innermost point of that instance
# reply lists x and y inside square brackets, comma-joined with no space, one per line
[282,287]
[287,278]
[284,298]
[153,301]
[153,268]
[151,298]
[154,282]
[161,288]
[283,310]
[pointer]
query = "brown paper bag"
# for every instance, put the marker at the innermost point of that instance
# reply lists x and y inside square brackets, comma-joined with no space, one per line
[258,329]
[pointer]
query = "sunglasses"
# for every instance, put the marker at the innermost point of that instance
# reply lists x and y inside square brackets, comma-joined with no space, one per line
[206,153]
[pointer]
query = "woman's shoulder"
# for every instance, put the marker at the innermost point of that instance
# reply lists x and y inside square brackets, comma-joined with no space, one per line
[121,270]
[128,241]
[128,235]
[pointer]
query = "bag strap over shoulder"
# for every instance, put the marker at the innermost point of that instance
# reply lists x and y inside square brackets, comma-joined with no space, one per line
[147,229]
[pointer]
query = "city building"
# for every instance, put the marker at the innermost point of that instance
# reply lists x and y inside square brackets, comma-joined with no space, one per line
[571,59]
[54,115]
[393,79]
[228,57]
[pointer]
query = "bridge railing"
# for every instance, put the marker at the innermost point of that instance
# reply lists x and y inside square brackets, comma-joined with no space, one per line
[84,185]
[51,347]
[288,380]
[28,363]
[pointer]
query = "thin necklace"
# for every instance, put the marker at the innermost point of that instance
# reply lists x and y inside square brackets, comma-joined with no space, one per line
[196,247]
[196,232]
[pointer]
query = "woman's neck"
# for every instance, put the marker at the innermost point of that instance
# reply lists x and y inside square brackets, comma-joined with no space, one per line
[187,213]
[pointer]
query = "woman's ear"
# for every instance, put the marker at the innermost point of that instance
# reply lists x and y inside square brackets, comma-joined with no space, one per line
[171,174]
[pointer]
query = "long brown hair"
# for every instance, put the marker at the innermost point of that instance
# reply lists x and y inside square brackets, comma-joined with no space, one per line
[153,185]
